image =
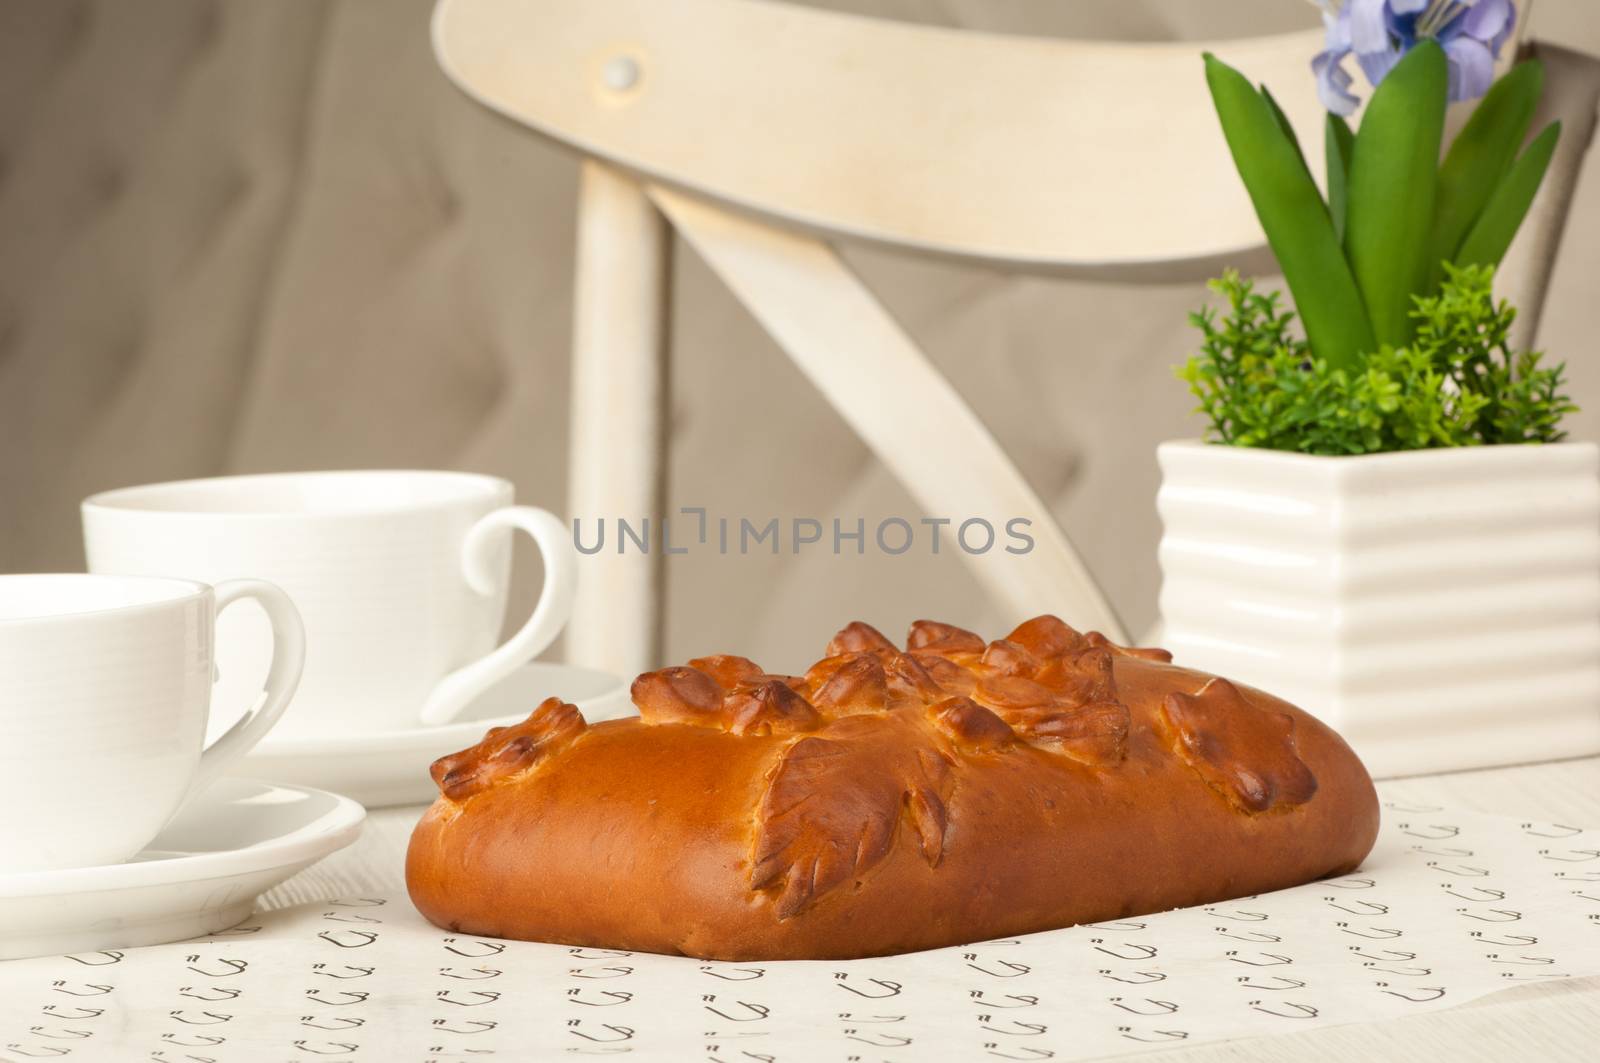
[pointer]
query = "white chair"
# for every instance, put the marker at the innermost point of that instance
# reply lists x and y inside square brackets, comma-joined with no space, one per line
[760,131]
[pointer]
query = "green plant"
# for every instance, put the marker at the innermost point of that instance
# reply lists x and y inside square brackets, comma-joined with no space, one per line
[1391,275]
[1395,215]
[1458,382]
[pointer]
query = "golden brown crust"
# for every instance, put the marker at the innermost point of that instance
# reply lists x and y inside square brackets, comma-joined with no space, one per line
[887,800]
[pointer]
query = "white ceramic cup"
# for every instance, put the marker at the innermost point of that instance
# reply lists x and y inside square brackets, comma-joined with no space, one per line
[105,689]
[401,578]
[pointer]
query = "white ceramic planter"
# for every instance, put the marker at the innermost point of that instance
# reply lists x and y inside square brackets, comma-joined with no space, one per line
[1440,608]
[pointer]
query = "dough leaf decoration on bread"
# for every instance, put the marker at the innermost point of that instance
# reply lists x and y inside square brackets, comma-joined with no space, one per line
[1053,686]
[848,684]
[507,751]
[930,636]
[831,810]
[970,727]
[859,637]
[1245,752]
[1049,636]
[728,693]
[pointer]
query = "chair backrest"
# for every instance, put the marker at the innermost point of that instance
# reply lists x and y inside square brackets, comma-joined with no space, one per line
[1099,158]
[1087,158]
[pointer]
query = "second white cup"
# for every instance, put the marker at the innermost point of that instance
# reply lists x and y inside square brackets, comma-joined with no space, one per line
[401,578]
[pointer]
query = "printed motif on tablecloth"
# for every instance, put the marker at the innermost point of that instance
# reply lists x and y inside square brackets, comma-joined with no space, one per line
[1450,906]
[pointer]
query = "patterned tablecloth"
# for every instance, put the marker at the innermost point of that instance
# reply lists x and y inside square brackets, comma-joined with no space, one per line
[1450,906]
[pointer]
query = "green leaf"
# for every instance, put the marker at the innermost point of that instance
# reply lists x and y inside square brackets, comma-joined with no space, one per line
[1284,124]
[1393,173]
[1480,157]
[1293,216]
[1339,143]
[1491,234]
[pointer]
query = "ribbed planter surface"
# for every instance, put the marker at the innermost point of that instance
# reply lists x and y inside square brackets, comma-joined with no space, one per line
[1440,608]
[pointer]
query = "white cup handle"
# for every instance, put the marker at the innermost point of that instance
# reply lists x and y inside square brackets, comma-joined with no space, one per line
[456,690]
[288,660]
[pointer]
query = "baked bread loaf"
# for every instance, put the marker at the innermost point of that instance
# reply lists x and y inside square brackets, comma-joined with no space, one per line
[886,801]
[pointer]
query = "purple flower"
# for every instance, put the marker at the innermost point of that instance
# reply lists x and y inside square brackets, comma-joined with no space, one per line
[1379,32]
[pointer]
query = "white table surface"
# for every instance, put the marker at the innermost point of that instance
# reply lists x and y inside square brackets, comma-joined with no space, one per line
[1556,1020]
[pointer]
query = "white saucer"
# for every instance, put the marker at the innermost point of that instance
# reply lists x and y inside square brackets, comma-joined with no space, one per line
[391,767]
[201,875]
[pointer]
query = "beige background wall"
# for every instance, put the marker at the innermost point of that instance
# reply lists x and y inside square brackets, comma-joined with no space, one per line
[242,236]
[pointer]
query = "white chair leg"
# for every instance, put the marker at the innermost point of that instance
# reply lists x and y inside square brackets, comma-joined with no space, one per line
[843,339]
[619,386]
